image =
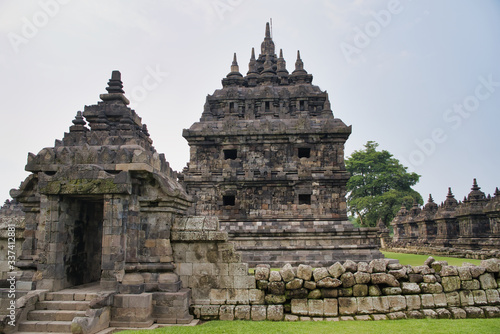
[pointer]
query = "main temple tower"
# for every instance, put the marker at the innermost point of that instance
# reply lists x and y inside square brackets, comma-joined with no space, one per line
[267,158]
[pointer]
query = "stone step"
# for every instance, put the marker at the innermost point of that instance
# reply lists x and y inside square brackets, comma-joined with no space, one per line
[45,326]
[62,305]
[69,296]
[54,315]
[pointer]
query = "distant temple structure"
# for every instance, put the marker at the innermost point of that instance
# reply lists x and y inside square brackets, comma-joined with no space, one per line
[472,224]
[267,158]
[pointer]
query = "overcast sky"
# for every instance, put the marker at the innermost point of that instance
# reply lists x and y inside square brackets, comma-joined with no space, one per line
[421,78]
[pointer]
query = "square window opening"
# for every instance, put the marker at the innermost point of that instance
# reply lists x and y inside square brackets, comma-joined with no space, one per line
[304,152]
[230,154]
[305,199]
[229,200]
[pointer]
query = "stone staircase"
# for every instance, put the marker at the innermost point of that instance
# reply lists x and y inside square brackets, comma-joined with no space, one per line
[57,309]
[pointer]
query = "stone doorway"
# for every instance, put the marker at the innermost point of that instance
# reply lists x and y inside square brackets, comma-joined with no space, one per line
[84,244]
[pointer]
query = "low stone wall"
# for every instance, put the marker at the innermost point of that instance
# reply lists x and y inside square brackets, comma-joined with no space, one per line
[443,251]
[362,291]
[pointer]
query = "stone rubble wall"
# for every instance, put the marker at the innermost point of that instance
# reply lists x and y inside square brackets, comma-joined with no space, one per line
[360,291]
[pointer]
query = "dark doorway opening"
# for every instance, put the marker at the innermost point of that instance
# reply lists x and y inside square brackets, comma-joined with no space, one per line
[83,263]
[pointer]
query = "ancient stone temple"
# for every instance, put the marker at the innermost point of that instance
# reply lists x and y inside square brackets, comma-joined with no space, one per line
[99,207]
[469,226]
[267,158]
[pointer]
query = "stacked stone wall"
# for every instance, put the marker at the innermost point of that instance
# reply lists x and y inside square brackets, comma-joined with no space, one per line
[361,291]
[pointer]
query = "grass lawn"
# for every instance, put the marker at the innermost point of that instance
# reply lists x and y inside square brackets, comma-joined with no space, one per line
[476,326]
[418,260]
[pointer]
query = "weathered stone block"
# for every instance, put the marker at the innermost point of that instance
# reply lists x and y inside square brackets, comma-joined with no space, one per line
[287,273]
[345,292]
[448,271]
[416,278]
[491,311]
[244,282]
[457,313]
[429,279]
[440,300]
[374,290]
[315,307]
[491,265]
[410,288]
[291,317]
[430,314]
[300,306]
[380,304]
[362,277]
[453,299]
[382,278]
[330,307]
[258,312]
[226,312]
[392,291]
[237,296]
[431,287]
[350,266]
[320,273]
[471,285]
[328,283]
[413,302]
[242,312]
[256,296]
[414,314]
[492,296]
[238,269]
[329,293]
[304,272]
[464,273]
[398,274]
[336,270]
[396,303]
[396,315]
[476,271]
[487,281]
[309,285]
[275,312]
[297,294]
[479,297]
[450,283]
[360,290]
[377,266]
[262,284]
[262,273]
[275,299]
[474,312]
[218,296]
[276,288]
[274,276]
[377,317]
[365,305]
[347,305]
[443,313]
[208,312]
[314,294]
[427,301]
[347,279]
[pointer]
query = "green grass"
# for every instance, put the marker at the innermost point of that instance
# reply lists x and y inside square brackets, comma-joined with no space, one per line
[476,326]
[418,260]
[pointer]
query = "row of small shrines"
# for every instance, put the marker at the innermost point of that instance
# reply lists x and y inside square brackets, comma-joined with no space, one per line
[473,223]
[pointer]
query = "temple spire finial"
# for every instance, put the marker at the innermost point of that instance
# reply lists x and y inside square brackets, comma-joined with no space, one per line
[268,30]
[267,46]
[115,89]
[234,65]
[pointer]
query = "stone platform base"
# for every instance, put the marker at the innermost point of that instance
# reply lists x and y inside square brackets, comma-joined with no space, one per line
[317,243]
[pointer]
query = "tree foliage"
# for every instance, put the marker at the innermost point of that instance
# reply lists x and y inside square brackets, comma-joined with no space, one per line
[379,184]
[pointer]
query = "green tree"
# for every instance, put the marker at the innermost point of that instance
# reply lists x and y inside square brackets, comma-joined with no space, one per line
[379,184]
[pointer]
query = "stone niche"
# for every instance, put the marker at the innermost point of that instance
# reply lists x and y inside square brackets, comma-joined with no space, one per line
[267,158]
